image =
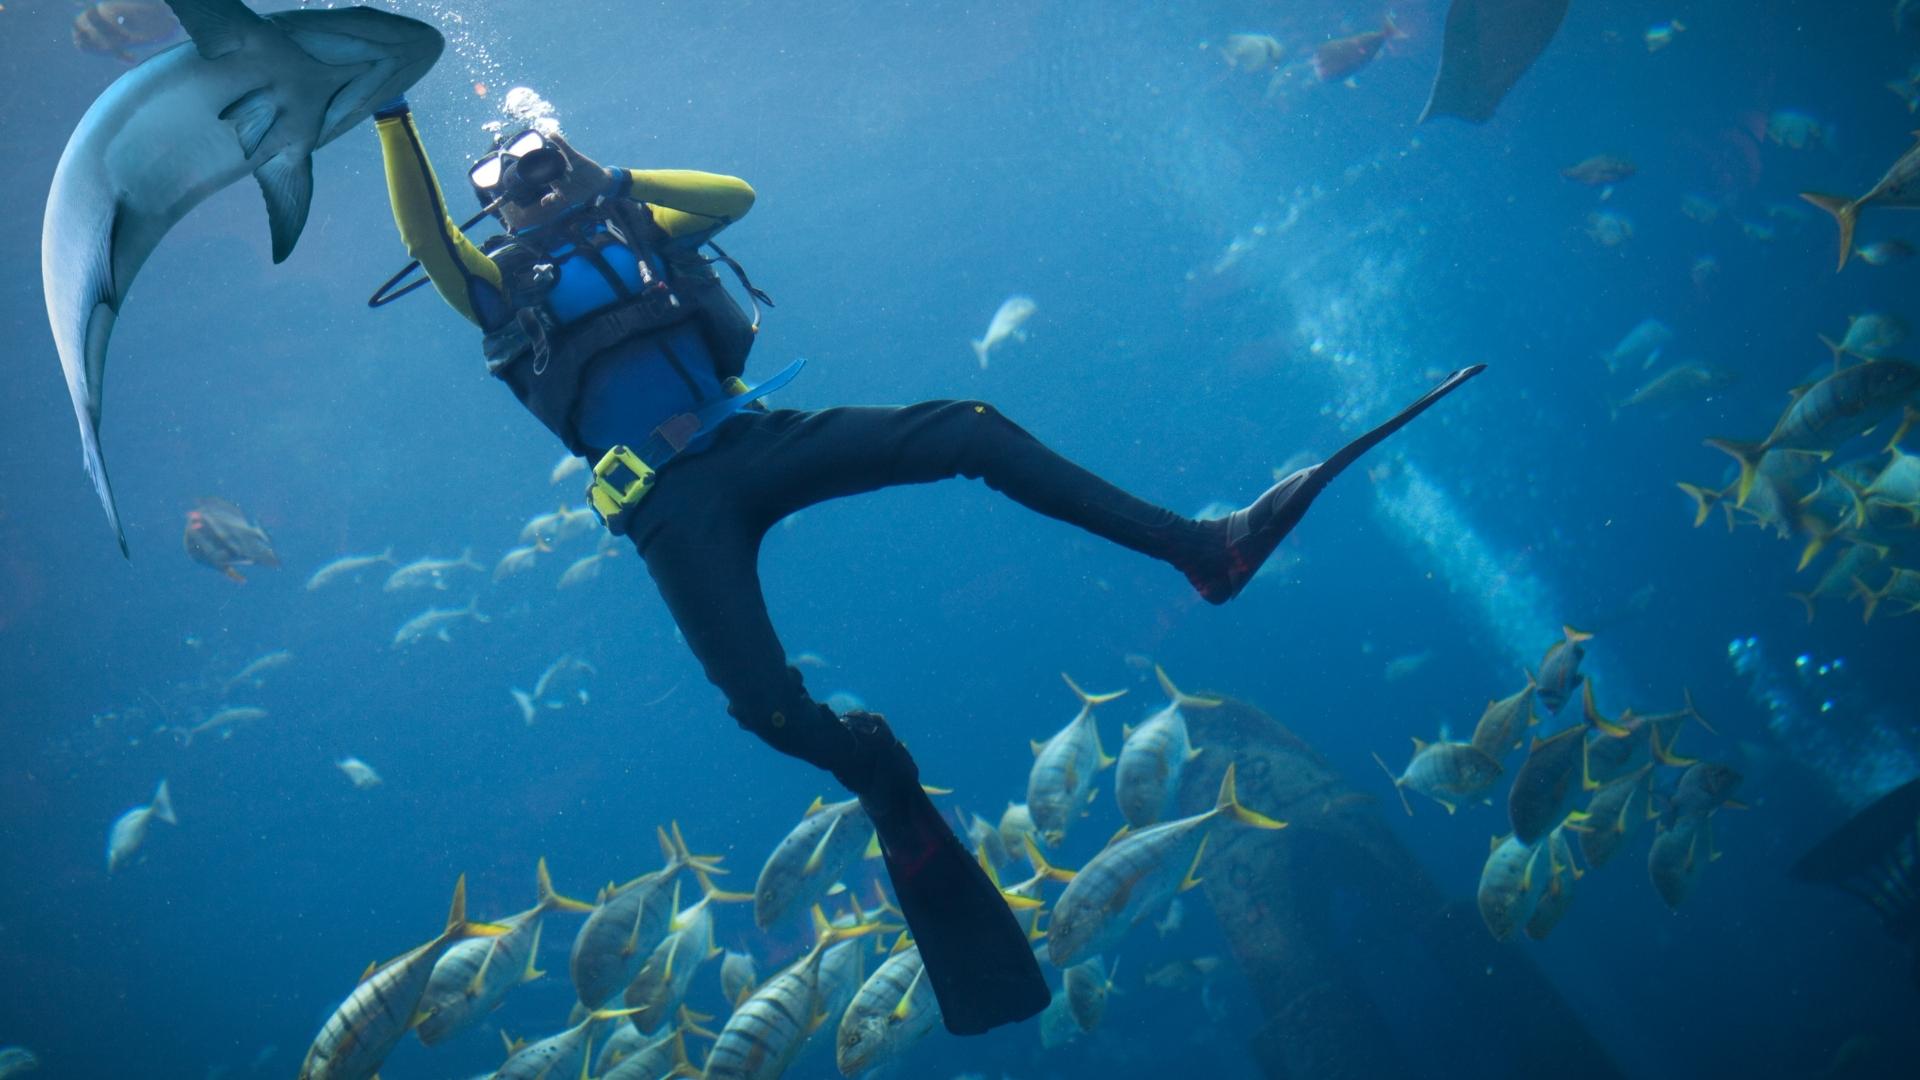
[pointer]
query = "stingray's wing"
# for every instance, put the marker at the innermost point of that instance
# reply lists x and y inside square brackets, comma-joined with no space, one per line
[1489,45]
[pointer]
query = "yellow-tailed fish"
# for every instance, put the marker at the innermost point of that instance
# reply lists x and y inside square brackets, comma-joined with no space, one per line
[737,976]
[893,1009]
[1503,724]
[1449,773]
[628,922]
[1061,783]
[1135,875]
[1560,669]
[1151,759]
[1559,892]
[1613,814]
[829,838]
[663,980]
[1849,402]
[1900,186]
[1512,882]
[768,1030]
[364,1029]
[1016,821]
[1024,898]
[1087,985]
[1552,777]
[559,1057]
[1676,855]
[1620,748]
[475,975]
[662,1057]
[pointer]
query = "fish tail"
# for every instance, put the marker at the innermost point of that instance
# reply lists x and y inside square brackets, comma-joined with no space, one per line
[1397,789]
[1575,637]
[1590,712]
[1041,867]
[1821,533]
[1806,598]
[1703,502]
[1838,350]
[1391,29]
[458,928]
[1180,698]
[1090,700]
[551,900]
[1748,455]
[1846,212]
[1229,803]
[980,351]
[474,612]
[162,806]
[1857,494]
[1865,592]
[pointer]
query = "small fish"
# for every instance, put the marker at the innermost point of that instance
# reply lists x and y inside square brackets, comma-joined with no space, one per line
[1087,985]
[1885,252]
[359,772]
[893,1009]
[768,1030]
[561,1056]
[1173,920]
[1008,320]
[1899,187]
[1662,34]
[664,1056]
[1700,208]
[982,836]
[129,830]
[629,921]
[1154,755]
[570,465]
[1335,60]
[552,679]
[1251,54]
[1183,974]
[258,667]
[1504,722]
[1618,748]
[1016,824]
[1676,855]
[1600,170]
[519,560]
[1643,344]
[474,976]
[1796,130]
[1675,383]
[1060,784]
[585,568]
[1512,881]
[1449,773]
[224,721]
[347,566]
[423,573]
[119,28]
[1559,673]
[1609,228]
[662,982]
[1613,814]
[366,1027]
[1135,875]
[810,858]
[434,622]
[219,535]
[1705,787]
[1871,337]
[1401,667]
[1057,1026]
[737,976]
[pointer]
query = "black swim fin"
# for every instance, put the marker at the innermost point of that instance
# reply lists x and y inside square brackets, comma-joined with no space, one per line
[1253,532]
[977,958]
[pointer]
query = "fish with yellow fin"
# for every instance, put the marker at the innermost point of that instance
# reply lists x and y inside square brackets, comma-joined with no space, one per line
[473,976]
[1449,773]
[1154,754]
[1060,785]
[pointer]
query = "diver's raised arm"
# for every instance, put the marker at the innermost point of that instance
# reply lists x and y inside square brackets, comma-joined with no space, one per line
[458,269]
[688,201]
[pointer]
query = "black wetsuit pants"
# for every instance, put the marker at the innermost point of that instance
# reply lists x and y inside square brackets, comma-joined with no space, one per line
[700,529]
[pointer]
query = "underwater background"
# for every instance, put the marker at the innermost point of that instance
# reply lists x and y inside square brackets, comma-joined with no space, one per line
[1229,269]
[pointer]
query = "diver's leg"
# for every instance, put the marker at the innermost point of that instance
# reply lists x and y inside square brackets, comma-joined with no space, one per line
[701,544]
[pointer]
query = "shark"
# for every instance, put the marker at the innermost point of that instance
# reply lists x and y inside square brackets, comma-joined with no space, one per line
[247,94]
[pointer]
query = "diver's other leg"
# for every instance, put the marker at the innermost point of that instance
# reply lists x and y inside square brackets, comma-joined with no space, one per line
[977,958]
[1245,538]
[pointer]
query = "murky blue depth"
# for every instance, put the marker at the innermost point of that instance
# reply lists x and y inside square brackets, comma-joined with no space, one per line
[1229,268]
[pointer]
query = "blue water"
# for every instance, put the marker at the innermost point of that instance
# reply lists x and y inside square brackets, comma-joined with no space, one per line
[914,168]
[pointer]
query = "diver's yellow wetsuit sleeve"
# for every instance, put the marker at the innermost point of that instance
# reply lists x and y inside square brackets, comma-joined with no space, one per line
[686,202]
[457,268]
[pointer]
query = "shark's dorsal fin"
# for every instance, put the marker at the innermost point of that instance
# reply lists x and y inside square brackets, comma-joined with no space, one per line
[252,115]
[217,27]
[286,180]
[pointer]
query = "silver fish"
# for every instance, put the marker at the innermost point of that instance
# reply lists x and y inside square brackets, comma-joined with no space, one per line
[434,622]
[1512,882]
[430,573]
[1008,319]
[768,1030]
[1060,785]
[474,976]
[1154,755]
[628,922]
[1899,187]
[893,1009]
[129,830]
[359,772]
[808,860]
[347,566]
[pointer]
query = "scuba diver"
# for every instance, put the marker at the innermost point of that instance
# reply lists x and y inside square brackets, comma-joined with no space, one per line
[600,314]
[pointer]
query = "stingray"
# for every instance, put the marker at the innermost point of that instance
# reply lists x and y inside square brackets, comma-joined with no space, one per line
[1876,857]
[1489,45]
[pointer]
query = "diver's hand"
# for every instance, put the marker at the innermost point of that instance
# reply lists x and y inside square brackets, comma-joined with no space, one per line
[583,164]
[397,107]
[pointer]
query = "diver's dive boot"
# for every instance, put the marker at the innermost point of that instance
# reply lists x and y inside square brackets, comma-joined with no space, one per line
[976,956]
[1253,532]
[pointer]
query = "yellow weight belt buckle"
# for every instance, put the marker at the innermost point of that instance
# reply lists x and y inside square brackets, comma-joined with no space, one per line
[620,481]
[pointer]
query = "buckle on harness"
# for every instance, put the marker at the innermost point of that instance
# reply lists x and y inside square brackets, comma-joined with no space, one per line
[620,481]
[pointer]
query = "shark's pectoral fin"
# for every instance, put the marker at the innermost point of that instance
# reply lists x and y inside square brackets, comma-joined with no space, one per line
[217,27]
[286,180]
[252,115]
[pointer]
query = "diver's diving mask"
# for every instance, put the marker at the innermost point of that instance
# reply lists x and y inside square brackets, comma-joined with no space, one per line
[518,169]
